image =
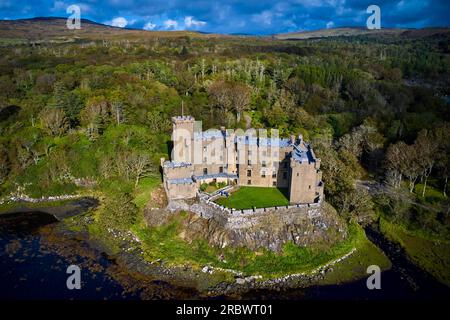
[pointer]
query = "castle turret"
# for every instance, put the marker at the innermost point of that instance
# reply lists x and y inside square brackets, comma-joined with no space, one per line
[183,139]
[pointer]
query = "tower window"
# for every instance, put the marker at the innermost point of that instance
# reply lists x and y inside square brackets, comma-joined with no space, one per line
[249,173]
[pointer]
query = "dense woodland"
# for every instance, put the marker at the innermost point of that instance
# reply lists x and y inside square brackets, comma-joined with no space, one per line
[97,114]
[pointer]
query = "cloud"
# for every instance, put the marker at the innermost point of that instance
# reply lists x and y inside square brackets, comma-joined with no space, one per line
[189,22]
[250,16]
[170,24]
[149,26]
[120,22]
[264,17]
[330,24]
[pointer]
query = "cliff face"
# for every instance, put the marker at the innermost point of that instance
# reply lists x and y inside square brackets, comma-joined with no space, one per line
[303,226]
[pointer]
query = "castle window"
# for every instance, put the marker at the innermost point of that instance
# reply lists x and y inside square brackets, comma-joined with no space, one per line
[263,174]
[249,173]
[274,183]
[309,187]
[249,152]
[298,174]
[205,171]
[274,175]
[220,169]
[249,162]
[249,182]
[264,163]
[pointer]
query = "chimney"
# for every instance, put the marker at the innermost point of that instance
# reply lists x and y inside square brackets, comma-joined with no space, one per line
[300,138]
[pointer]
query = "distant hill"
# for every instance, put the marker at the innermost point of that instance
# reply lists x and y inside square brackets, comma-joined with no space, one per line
[357,31]
[55,29]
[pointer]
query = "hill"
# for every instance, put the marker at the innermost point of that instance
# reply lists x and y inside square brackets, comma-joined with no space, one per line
[47,29]
[358,31]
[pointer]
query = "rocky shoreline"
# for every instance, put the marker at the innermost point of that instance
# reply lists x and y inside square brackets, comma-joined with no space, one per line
[131,265]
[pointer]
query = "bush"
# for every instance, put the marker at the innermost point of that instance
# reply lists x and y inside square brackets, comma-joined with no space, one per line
[119,212]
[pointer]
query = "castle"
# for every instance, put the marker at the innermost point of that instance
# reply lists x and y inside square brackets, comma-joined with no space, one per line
[239,158]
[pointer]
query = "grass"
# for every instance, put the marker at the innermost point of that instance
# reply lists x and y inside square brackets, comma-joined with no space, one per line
[431,255]
[432,195]
[165,243]
[144,189]
[258,197]
[355,266]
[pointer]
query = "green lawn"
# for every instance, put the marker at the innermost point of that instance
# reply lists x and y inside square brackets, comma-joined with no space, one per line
[258,197]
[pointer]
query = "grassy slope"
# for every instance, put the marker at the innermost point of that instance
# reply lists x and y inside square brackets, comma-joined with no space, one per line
[165,243]
[248,197]
[354,267]
[430,254]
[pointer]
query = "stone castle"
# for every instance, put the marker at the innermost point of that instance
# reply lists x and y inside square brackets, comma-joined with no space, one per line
[239,158]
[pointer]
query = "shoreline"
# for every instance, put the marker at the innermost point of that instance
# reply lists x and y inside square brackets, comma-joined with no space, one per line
[205,281]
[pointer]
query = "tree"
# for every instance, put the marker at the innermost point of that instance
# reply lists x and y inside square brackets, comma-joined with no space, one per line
[119,212]
[139,164]
[426,148]
[158,122]
[54,121]
[240,99]
[5,164]
[219,93]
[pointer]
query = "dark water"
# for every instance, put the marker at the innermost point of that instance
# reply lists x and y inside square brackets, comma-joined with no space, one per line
[30,270]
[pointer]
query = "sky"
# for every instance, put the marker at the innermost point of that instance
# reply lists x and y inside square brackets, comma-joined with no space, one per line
[231,16]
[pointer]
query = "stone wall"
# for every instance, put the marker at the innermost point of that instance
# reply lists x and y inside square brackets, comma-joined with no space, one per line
[266,227]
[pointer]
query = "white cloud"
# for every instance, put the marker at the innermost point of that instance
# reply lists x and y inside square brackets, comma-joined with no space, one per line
[120,22]
[189,21]
[264,17]
[330,24]
[149,26]
[170,24]
[62,6]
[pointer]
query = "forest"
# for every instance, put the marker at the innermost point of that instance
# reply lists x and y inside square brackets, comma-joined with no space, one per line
[96,114]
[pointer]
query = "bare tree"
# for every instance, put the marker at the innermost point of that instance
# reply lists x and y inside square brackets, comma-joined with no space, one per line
[54,121]
[240,99]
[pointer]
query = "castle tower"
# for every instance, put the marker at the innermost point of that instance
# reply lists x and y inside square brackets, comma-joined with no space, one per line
[183,139]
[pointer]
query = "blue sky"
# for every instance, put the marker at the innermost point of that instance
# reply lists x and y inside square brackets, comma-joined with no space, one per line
[230,16]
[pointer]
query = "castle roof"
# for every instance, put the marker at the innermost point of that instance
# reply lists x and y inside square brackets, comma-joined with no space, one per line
[174,164]
[181,181]
[303,153]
